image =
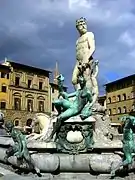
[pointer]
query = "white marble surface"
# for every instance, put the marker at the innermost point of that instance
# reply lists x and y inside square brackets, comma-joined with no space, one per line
[74,136]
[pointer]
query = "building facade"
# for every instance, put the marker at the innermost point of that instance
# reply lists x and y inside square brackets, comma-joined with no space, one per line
[4,86]
[120,96]
[28,92]
[102,100]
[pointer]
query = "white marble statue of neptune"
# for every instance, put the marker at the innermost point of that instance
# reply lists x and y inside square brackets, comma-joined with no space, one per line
[85,48]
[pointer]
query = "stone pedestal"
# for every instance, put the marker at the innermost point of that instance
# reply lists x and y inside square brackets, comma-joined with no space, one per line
[75,135]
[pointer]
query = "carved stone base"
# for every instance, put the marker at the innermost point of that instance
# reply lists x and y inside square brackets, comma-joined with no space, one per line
[46,162]
[75,135]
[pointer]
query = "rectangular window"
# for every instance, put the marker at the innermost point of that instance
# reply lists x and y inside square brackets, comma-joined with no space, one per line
[8,76]
[17,81]
[118,98]
[52,90]
[52,107]
[132,94]
[30,105]
[114,110]
[3,105]
[4,88]
[124,97]
[16,123]
[17,103]
[3,75]
[40,85]
[41,106]
[29,83]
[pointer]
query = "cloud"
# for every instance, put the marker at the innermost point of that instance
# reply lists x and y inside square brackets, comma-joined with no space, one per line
[39,32]
[132,54]
[127,39]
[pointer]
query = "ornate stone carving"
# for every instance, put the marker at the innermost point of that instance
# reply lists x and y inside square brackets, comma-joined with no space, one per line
[75,136]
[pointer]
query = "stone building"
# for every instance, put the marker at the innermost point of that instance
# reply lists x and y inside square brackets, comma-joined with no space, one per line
[120,96]
[28,92]
[102,100]
[4,84]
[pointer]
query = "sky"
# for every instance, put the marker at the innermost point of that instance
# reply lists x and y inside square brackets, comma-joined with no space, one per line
[41,32]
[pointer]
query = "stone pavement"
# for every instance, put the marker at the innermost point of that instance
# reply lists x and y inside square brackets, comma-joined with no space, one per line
[65,176]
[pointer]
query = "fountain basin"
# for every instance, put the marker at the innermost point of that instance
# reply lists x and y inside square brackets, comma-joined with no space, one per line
[99,163]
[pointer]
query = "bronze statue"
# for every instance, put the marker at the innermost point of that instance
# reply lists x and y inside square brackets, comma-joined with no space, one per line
[128,142]
[80,106]
[62,94]
[19,149]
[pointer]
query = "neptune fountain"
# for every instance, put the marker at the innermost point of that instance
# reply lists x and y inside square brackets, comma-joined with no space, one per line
[82,143]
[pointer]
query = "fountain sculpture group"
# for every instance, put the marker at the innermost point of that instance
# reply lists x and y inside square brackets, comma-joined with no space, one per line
[82,139]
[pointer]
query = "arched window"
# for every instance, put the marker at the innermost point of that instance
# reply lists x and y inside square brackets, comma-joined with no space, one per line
[132,94]
[41,106]
[30,105]
[124,96]
[28,129]
[119,110]
[110,112]
[113,99]
[16,122]
[118,98]
[29,121]
[17,103]
[124,109]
